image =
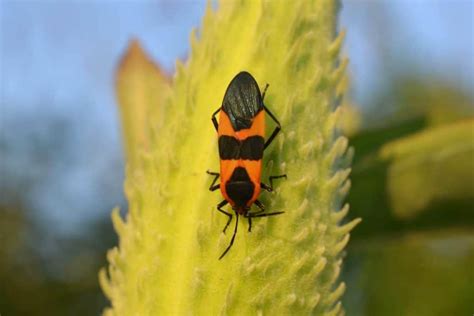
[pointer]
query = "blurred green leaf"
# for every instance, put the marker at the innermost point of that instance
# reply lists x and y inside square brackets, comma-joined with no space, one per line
[419,274]
[141,89]
[422,180]
[430,167]
[413,185]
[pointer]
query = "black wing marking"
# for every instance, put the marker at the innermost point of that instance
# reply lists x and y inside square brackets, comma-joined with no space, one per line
[242,101]
[229,147]
[251,148]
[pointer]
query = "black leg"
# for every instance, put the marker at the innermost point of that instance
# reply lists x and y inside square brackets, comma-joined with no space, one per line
[278,128]
[214,186]
[266,187]
[265,214]
[214,120]
[233,236]
[264,91]
[262,208]
[275,131]
[276,177]
[270,187]
[219,208]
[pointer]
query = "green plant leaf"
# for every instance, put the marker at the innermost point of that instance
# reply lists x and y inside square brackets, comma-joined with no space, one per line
[417,181]
[421,273]
[167,261]
[141,90]
[428,167]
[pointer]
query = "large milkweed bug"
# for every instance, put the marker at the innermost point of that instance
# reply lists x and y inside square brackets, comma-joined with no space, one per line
[241,131]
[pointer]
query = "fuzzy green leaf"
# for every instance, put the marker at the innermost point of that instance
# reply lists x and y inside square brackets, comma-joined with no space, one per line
[167,261]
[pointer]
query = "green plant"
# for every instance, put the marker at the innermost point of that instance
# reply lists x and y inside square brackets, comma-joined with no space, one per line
[412,184]
[166,262]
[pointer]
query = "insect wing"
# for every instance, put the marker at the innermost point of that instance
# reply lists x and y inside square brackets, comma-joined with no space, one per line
[242,101]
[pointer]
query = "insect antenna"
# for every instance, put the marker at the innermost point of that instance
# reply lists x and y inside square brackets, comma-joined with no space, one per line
[233,236]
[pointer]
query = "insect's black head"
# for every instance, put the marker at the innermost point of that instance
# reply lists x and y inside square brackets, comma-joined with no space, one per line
[241,209]
[240,189]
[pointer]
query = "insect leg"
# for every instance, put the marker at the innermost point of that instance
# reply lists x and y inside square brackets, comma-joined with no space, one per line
[214,186]
[233,236]
[264,91]
[214,120]
[269,188]
[262,208]
[219,208]
[275,131]
[276,177]
[266,187]
[266,214]
[249,217]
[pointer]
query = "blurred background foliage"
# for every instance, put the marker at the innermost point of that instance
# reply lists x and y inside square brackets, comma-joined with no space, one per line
[413,186]
[409,119]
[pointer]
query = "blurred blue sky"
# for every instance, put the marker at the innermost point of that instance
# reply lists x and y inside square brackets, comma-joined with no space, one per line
[60,147]
[431,38]
[60,137]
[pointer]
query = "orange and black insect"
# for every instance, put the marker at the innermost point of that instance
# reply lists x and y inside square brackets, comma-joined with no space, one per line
[241,131]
